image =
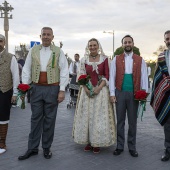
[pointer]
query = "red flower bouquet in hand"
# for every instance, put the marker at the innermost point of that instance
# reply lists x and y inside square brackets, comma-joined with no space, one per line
[22,89]
[141,96]
[84,80]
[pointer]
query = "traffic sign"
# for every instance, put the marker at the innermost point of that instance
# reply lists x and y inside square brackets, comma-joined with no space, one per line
[33,43]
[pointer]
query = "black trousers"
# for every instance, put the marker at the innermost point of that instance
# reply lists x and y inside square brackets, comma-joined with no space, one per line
[5,105]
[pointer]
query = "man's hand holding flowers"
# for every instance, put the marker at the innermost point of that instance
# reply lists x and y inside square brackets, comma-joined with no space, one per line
[141,96]
[22,89]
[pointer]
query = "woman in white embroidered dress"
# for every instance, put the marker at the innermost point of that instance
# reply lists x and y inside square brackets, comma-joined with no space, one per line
[94,121]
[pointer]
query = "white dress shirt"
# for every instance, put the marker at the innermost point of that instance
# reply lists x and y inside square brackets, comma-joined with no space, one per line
[45,54]
[149,71]
[71,68]
[128,70]
[15,74]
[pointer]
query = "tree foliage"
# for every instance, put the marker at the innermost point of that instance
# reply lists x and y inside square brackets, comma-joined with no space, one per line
[120,51]
[160,49]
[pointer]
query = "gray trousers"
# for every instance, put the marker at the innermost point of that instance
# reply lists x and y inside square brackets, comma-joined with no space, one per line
[126,103]
[44,106]
[167,134]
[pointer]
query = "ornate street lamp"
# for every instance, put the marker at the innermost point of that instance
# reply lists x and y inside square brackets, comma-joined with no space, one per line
[4,14]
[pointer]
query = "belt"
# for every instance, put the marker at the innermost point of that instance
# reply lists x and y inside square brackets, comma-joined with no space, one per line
[44,84]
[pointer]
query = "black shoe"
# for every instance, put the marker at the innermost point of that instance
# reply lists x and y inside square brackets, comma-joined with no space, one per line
[27,154]
[47,153]
[166,156]
[133,153]
[117,151]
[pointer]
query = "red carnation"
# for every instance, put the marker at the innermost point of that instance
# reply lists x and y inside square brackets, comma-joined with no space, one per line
[22,89]
[83,79]
[84,76]
[141,95]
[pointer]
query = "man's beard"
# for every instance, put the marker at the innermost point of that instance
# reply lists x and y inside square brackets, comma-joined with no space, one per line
[1,48]
[128,49]
[168,45]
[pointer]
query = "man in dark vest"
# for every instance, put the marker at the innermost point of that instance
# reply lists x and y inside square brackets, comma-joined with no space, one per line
[128,74]
[9,80]
[160,98]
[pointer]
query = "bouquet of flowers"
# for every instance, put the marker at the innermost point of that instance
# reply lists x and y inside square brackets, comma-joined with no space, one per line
[22,89]
[84,80]
[141,96]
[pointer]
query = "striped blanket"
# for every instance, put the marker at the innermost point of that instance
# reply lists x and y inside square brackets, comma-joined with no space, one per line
[160,97]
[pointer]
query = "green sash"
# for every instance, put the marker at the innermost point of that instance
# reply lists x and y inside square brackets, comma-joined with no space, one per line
[127,82]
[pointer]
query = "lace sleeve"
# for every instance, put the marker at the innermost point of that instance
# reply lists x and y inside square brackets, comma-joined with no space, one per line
[106,71]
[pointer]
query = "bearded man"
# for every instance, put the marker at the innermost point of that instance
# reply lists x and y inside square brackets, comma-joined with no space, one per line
[128,74]
[160,100]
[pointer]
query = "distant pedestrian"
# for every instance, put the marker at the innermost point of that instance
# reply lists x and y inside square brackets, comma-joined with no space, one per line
[160,98]
[9,80]
[149,74]
[20,72]
[73,72]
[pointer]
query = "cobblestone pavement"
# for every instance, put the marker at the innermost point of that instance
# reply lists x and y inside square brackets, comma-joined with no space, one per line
[68,155]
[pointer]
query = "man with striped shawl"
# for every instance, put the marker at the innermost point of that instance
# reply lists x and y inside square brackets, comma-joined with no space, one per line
[160,99]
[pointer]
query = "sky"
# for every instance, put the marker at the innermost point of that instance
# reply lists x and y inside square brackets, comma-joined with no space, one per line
[74,22]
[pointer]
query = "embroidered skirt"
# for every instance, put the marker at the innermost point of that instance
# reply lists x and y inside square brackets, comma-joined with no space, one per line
[94,120]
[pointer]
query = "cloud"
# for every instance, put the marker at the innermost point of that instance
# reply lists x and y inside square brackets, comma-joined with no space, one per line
[76,21]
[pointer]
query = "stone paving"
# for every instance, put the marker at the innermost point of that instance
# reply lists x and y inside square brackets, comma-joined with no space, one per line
[68,155]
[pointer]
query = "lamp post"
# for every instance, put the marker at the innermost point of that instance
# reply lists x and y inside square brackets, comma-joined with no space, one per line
[4,14]
[61,44]
[111,32]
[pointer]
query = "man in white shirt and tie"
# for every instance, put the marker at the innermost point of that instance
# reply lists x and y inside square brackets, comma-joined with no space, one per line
[128,74]
[74,65]
[73,74]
